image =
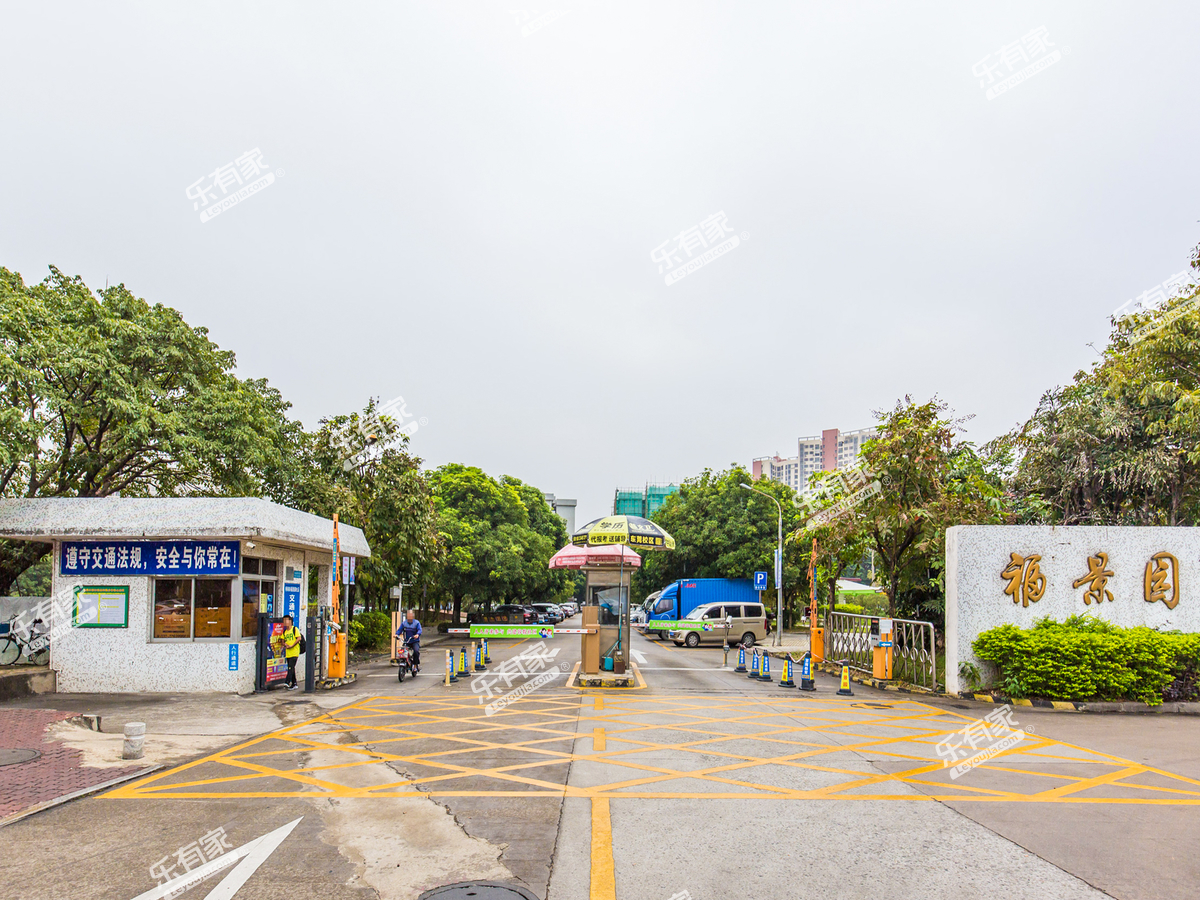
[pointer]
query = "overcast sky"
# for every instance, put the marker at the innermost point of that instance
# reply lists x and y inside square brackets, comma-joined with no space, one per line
[466,200]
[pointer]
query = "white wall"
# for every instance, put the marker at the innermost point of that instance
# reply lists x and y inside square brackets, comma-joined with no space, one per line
[976,602]
[117,660]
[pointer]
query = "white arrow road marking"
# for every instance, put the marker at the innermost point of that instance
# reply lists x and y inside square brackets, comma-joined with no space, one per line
[638,656]
[255,854]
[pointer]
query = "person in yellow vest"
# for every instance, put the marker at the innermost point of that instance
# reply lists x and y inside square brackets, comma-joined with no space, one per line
[291,650]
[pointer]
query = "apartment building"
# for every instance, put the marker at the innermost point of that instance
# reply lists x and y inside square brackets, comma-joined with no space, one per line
[831,449]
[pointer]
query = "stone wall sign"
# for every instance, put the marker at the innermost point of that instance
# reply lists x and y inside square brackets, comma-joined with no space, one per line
[998,574]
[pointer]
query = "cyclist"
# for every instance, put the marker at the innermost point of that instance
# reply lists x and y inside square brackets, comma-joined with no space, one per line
[410,633]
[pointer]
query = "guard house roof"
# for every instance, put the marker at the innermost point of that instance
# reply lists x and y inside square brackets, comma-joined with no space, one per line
[252,518]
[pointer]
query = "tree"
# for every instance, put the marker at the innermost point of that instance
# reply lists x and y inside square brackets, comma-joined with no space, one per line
[498,538]
[378,486]
[721,530]
[930,480]
[104,393]
[1120,445]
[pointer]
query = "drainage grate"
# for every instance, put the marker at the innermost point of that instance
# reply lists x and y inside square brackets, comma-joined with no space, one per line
[478,890]
[15,757]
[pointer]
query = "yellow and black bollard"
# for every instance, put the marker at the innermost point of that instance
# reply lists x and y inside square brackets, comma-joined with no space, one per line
[450,676]
[753,664]
[463,672]
[477,652]
[806,679]
[844,690]
[765,673]
[785,679]
[487,660]
[741,666]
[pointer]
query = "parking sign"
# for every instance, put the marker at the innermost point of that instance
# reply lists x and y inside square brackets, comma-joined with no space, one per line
[760,581]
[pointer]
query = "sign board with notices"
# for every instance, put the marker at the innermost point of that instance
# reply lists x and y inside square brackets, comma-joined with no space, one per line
[105,606]
[149,558]
[291,601]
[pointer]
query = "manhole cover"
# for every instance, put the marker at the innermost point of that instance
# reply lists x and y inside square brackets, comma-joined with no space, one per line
[478,890]
[12,757]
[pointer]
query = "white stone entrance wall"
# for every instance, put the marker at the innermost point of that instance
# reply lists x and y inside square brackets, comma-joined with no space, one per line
[976,602]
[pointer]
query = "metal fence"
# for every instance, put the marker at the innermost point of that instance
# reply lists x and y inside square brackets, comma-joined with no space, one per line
[914,653]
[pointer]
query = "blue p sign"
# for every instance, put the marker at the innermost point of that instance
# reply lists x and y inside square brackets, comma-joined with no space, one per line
[760,581]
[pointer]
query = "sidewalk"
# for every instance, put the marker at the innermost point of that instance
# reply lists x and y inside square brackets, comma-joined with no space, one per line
[179,727]
[58,771]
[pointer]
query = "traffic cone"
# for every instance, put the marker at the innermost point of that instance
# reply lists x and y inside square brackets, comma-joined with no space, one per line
[806,679]
[786,679]
[844,690]
[741,666]
[450,676]
[765,674]
[477,652]
[487,660]
[462,664]
[754,664]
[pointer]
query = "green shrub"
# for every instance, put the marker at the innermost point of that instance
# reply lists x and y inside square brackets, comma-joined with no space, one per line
[1085,658]
[370,631]
[848,608]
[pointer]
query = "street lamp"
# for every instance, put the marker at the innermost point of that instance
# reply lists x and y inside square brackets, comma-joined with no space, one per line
[777,640]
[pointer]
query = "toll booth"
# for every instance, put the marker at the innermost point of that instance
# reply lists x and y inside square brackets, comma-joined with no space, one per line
[607,609]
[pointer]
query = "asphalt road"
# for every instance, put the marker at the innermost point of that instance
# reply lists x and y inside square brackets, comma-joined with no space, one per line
[696,780]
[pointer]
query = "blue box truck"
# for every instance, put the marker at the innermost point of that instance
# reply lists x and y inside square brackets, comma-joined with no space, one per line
[680,597]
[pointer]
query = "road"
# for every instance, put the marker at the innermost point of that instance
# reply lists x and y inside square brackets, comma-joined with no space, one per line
[696,780]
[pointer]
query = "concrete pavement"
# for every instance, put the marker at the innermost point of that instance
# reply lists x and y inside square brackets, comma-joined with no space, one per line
[701,781]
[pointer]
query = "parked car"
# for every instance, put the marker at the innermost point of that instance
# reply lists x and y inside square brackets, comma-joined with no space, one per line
[551,612]
[522,615]
[747,623]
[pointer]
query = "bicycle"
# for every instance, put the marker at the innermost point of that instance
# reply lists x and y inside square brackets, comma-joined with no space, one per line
[36,644]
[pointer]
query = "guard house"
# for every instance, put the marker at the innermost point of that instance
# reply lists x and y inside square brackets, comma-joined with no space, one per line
[164,593]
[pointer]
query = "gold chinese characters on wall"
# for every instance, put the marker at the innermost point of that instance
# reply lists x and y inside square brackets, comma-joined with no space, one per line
[1027,583]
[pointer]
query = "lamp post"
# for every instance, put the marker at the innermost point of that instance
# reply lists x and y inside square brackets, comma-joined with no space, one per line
[777,639]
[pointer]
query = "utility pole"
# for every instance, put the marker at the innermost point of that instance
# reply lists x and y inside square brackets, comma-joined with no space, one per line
[777,640]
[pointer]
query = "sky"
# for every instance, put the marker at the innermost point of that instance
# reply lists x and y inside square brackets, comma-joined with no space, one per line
[478,209]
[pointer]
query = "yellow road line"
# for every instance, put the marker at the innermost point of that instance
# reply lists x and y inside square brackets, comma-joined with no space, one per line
[604,883]
[534,726]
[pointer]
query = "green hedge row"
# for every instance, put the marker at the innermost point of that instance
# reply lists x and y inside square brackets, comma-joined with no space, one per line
[1084,658]
[370,631]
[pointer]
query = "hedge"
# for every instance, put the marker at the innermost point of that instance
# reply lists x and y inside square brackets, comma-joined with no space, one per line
[848,608]
[370,631]
[1085,658]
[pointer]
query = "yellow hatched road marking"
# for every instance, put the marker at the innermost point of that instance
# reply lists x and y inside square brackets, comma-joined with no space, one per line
[728,732]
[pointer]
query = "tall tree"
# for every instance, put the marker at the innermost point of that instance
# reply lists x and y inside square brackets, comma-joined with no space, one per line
[104,393]
[930,480]
[1120,445]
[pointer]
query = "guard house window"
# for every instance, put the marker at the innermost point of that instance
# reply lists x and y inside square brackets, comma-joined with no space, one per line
[189,608]
[258,591]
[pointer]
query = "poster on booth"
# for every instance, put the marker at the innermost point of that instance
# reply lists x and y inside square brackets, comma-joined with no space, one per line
[276,661]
